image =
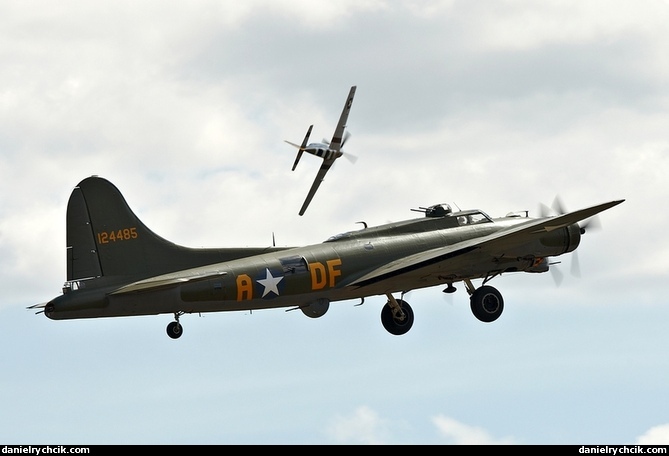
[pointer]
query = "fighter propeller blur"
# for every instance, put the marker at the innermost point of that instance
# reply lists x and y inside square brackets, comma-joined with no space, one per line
[117,266]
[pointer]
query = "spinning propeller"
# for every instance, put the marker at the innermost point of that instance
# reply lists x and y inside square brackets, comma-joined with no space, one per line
[557,208]
[349,157]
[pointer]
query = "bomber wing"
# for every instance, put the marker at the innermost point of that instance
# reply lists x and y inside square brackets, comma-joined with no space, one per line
[505,239]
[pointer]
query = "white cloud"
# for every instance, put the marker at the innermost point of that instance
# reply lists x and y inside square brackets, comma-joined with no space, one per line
[318,14]
[364,427]
[657,435]
[463,434]
[527,25]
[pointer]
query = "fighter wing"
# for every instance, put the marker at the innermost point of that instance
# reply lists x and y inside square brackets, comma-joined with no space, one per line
[504,239]
[338,136]
[335,144]
[325,167]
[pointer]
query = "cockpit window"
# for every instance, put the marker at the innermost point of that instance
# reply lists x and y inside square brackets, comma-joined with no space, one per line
[338,237]
[471,218]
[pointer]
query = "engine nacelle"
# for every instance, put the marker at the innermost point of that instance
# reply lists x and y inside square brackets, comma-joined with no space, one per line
[316,308]
[560,241]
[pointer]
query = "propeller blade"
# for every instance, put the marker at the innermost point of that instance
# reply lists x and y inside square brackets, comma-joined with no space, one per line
[558,207]
[575,265]
[575,271]
[591,224]
[557,275]
[345,138]
[544,210]
[351,158]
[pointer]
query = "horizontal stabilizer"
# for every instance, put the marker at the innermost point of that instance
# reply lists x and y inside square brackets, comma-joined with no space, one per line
[297,158]
[297,146]
[167,281]
[302,147]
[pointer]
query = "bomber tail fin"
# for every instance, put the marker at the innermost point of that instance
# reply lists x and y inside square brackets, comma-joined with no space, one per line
[105,238]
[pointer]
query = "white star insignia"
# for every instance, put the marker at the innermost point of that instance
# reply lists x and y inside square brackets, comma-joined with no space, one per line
[270,283]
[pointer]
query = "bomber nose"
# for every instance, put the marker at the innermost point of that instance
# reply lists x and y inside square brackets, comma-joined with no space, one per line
[49,308]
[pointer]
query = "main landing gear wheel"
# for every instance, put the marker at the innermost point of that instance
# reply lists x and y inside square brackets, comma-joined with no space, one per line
[487,303]
[398,321]
[174,329]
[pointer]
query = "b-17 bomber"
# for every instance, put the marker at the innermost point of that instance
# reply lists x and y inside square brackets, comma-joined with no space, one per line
[117,266]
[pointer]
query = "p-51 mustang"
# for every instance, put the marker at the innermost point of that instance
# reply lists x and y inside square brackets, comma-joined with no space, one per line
[116,266]
[328,151]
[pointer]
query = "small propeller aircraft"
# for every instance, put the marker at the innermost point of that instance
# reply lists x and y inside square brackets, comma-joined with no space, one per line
[329,151]
[116,266]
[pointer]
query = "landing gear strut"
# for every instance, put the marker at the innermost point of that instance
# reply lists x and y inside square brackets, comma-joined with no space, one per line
[174,329]
[397,316]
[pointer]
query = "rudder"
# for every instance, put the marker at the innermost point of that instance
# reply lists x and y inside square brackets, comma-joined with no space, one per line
[105,238]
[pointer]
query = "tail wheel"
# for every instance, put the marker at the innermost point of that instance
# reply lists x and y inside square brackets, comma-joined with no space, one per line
[487,303]
[397,323]
[174,330]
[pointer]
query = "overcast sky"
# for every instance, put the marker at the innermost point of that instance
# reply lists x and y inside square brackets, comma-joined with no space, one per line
[185,106]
